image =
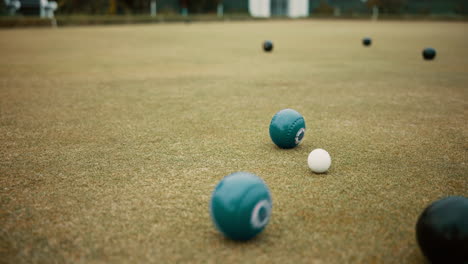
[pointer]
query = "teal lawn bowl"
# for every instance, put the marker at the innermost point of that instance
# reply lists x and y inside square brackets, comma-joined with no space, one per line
[287,128]
[240,206]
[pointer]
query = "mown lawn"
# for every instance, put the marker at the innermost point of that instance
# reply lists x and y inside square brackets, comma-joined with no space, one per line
[112,138]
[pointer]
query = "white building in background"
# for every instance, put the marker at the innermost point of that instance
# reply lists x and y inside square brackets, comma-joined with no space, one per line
[259,8]
[268,8]
[298,8]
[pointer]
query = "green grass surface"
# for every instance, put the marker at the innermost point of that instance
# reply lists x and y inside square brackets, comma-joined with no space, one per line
[112,139]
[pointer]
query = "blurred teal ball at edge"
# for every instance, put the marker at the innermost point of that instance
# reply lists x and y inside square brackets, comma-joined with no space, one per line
[287,128]
[241,206]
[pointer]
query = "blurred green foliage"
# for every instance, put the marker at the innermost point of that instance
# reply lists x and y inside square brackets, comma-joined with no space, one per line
[102,6]
[322,7]
[134,6]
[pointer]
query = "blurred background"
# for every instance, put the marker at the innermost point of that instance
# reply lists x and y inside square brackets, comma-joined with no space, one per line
[134,11]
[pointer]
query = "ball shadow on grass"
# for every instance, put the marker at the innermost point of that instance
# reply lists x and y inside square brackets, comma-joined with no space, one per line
[321,175]
[223,240]
[272,147]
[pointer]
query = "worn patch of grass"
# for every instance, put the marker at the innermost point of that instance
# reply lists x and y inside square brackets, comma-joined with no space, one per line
[112,139]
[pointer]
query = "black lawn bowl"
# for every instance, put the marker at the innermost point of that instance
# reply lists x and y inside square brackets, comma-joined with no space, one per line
[268,46]
[442,231]
[366,41]
[429,53]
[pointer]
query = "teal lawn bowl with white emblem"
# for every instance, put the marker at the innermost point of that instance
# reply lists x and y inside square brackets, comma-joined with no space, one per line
[287,128]
[240,206]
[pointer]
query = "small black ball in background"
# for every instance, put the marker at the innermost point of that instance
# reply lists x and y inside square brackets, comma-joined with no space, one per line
[429,53]
[442,231]
[366,41]
[267,46]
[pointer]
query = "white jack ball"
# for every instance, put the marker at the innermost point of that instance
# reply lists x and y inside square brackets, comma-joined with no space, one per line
[319,160]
